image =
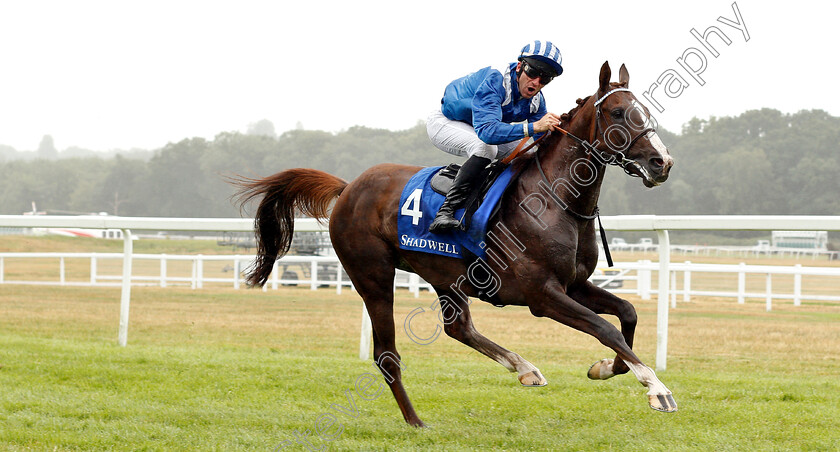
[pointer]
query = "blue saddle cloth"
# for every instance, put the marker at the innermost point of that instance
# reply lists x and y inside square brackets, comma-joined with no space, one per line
[419,204]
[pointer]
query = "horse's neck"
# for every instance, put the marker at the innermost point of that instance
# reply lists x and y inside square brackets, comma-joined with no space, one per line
[574,175]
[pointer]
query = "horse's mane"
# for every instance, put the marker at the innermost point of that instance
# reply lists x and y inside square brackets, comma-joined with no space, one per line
[565,121]
[566,118]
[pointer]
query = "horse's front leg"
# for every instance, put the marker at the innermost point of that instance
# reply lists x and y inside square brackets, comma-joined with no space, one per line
[555,304]
[601,301]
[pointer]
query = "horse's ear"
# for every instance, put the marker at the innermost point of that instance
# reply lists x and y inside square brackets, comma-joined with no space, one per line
[624,76]
[604,79]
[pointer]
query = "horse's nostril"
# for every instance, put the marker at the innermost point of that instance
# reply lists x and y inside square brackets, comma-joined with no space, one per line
[657,163]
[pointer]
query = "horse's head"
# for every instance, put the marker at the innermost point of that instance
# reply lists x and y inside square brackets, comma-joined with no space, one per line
[626,132]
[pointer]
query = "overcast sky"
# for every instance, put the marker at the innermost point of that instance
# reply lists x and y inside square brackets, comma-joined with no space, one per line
[117,74]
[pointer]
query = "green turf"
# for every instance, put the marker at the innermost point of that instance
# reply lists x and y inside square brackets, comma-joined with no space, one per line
[247,370]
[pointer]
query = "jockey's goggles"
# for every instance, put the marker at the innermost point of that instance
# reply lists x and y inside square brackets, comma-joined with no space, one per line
[533,72]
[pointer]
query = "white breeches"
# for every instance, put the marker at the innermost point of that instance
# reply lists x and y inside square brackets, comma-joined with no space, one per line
[459,138]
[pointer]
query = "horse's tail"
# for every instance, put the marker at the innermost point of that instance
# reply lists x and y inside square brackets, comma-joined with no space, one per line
[308,191]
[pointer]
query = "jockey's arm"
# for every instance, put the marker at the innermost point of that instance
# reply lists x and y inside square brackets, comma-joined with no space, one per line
[487,115]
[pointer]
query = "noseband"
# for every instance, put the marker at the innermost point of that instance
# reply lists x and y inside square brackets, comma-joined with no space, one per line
[617,158]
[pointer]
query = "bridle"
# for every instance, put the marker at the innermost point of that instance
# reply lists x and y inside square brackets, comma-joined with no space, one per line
[617,158]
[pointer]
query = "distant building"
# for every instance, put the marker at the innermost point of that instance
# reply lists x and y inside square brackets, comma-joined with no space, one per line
[811,240]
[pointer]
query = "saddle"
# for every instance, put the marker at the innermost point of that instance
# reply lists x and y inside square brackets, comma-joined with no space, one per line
[442,181]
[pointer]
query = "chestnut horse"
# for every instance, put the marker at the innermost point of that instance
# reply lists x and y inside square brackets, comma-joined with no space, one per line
[542,240]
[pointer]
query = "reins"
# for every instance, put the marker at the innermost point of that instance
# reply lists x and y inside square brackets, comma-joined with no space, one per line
[595,213]
[618,158]
[520,150]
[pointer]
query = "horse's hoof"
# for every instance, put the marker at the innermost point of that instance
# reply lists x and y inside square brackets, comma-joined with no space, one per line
[417,423]
[532,379]
[601,370]
[662,402]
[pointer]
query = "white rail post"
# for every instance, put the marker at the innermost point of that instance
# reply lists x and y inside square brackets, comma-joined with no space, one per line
[93,269]
[673,289]
[366,336]
[687,282]
[275,269]
[268,280]
[662,305]
[193,275]
[338,279]
[414,284]
[742,282]
[125,297]
[313,271]
[643,282]
[236,270]
[769,292]
[797,285]
[163,270]
[199,271]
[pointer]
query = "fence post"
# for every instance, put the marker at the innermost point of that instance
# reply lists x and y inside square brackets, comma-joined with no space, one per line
[742,282]
[236,270]
[163,270]
[274,271]
[192,276]
[687,282]
[366,336]
[673,289]
[643,276]
[797,285]
[61,270]
[313,271]
[414,284]
[125,296]
[769,292]
[662,304]
[199,271]
[273,274]
[93,269]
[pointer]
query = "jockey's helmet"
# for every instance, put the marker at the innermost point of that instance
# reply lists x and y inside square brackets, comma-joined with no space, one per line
[543,55]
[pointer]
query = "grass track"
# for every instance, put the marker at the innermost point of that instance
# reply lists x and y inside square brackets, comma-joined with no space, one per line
[244,370]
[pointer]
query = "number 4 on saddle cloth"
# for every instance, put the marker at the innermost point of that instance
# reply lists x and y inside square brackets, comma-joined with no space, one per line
[423,195]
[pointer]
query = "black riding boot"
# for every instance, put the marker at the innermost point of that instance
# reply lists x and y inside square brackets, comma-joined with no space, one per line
[466,181]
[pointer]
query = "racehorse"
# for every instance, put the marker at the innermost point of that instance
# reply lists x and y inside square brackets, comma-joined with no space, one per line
[542,239]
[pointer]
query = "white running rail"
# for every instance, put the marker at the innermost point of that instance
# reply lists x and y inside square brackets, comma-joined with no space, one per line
[661,224]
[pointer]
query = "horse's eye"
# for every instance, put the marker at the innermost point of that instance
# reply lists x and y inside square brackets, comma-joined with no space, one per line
[617,113]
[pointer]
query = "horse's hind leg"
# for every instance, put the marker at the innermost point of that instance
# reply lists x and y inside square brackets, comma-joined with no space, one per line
[458,325]
[601,301]
[375,283]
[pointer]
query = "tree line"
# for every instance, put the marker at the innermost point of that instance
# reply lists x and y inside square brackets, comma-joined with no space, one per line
[760,162]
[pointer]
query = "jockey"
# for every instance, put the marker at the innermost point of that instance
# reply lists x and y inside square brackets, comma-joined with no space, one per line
[484,114]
